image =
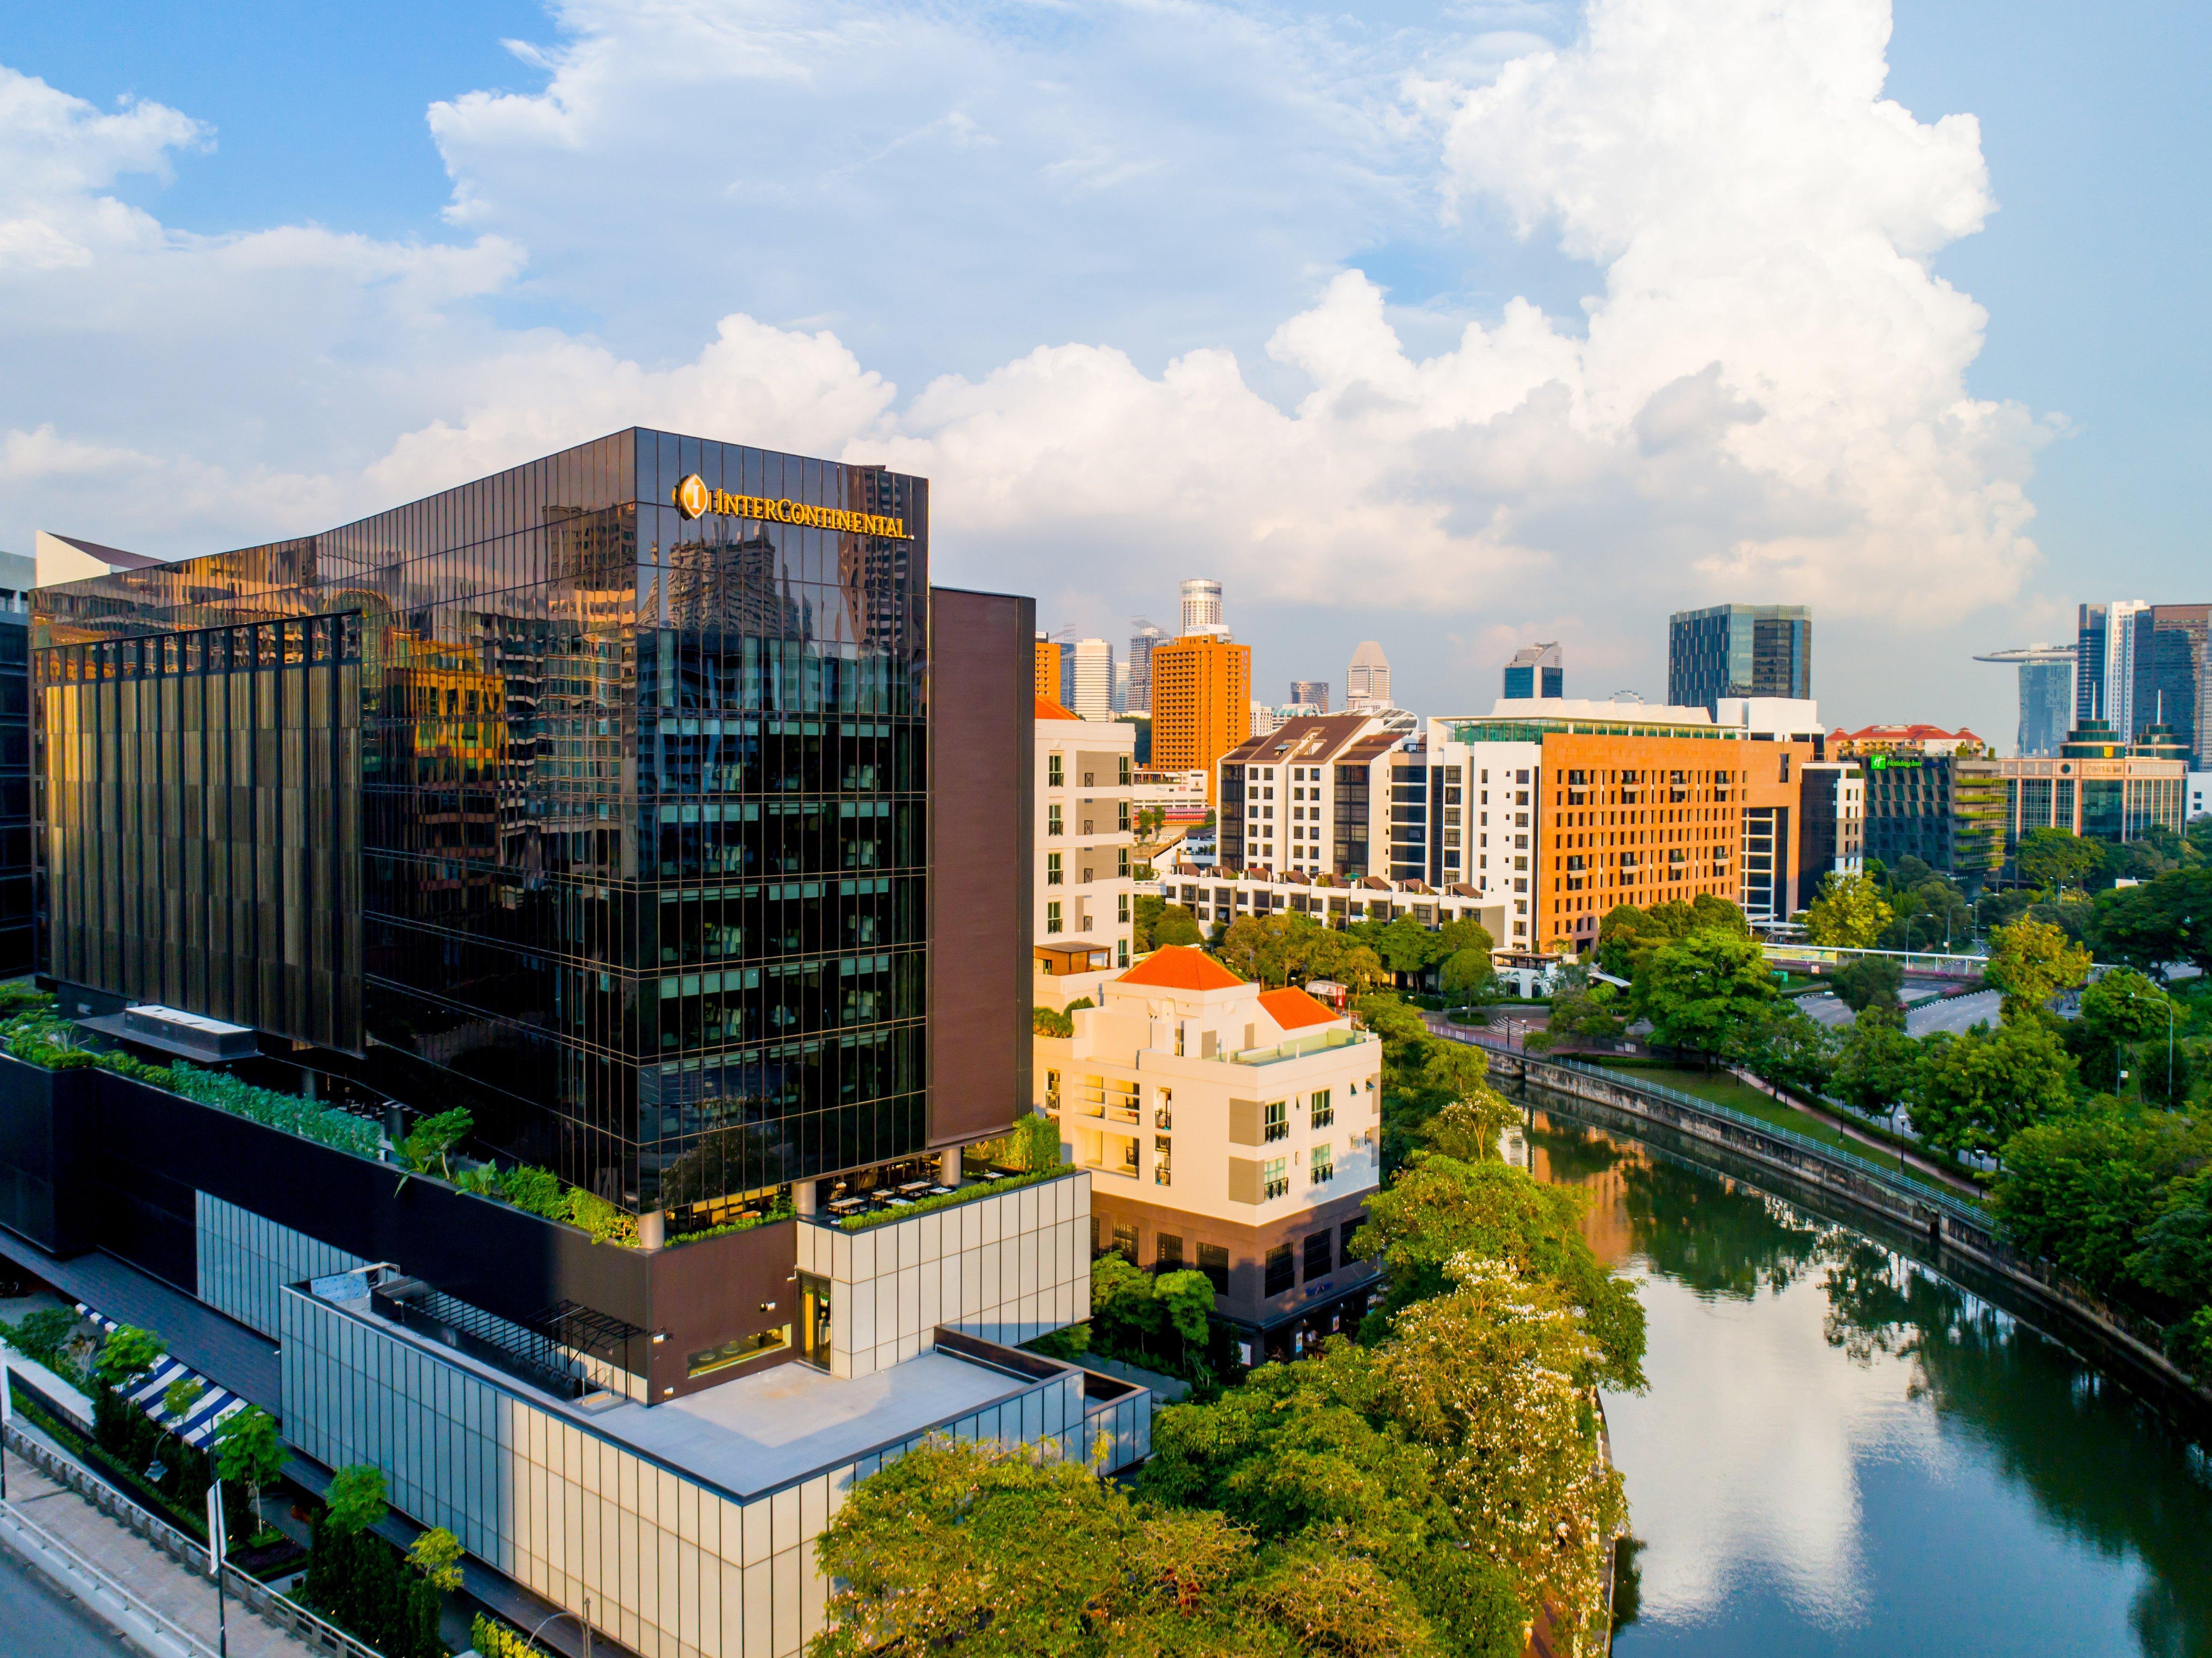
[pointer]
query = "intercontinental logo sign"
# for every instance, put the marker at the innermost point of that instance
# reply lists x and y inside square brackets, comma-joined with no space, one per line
[695,500]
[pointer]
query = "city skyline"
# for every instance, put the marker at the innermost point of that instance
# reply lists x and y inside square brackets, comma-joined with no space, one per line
[410,232]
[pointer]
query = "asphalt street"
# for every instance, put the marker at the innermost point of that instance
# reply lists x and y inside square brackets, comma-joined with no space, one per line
[1960,1014]
[41,1623]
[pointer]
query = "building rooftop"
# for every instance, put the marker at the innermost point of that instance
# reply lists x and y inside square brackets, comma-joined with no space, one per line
[754,1433]
[1294,1009]
[1048,709]
[1178,967]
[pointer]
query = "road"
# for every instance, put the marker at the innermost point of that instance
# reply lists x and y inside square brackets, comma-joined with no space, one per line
[1960,1014]
[41,1623]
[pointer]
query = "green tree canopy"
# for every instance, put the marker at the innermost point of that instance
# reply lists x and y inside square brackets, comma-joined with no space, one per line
[1698,990]
[249,1451]
[1876,1064]
[2058,859]
[2164,920]
[1976,1092]
[355,1500]
[1050,1022]
[1778,1042]
[2120,1011]
[2082,1190]
[993,1554]
[1868,981]
[127,1354]
[1467,976]
[1590,1013]
[2031,962]
[1849,910]
[1442,1207]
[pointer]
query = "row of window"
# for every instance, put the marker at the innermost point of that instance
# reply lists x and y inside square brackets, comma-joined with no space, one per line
[1055,772]
[1056,824]
[1322,1252]
[1056,872]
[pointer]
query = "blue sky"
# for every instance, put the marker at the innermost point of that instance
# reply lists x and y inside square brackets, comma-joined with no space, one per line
[1184,265]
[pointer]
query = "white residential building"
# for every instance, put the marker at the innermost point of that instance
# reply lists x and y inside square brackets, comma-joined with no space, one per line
[1085,787]
[1230,1129]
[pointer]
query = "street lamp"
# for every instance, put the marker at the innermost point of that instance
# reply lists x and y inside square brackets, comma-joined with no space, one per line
[583,1623]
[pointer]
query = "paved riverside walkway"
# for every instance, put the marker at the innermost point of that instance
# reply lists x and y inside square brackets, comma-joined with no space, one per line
[161,1606]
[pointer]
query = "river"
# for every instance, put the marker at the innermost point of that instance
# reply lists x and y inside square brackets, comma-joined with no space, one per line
[1842,1451]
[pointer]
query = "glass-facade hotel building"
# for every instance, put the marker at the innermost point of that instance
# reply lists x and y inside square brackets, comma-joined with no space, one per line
[595,806]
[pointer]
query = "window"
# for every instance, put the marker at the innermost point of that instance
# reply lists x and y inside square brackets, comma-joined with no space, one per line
[1122,866]
[1056,772]
[1122,951]
[1322,1111]
[1274,1178]
[1318,1264]
[1163,1162]
[1276,1120]
[1125,1240]
[1121,816]
[1052,820]
[1213,1261]
[1163,1110]
[1324,1166]
[1123,773]
[1122,908]
[1282,1270]
[1052,870]
[1167,1252]
[1345,1235]
[1052,1091]
[1051,916]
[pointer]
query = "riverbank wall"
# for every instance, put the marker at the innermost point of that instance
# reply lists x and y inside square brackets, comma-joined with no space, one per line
[1950,1225]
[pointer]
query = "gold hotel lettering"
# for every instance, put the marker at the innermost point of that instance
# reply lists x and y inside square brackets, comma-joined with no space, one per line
[693,499]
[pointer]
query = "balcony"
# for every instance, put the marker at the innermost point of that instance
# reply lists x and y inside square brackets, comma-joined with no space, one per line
[1298,1047]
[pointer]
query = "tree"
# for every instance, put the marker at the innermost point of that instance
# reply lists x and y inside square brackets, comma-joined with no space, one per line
[436,1553]
[1868,981]
[2030,962]
[1779,1042]
[2123,1012]
[1976,1092]
[1698,990]
[127,1354]
[2056,859]
[1467,976]
[1849,910]
[1876,1064]
[2166,921]
[1442,1207]
[1050,1022]
[1168,923]
[1590,1013]
[2082,1191]
[355,1500]
[249,1452]
[995,1554]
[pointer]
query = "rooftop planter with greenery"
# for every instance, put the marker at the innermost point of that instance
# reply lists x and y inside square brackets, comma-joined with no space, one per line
[1033,1149]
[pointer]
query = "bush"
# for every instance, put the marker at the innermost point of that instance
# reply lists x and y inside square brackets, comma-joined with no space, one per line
[494,1639]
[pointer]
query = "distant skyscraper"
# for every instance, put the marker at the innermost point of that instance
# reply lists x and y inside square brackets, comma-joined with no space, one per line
[1093,662]
[2181,677]
[1201,607]
[1201,702]
[1536,671]
[2046,695]
[1067,675]
[1143,635]
[1121,686]
[1314,693]
[1739,650]
[2110,641]
[1367,681]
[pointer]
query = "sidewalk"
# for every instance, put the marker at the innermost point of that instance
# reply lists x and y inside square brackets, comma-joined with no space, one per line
[156,1604]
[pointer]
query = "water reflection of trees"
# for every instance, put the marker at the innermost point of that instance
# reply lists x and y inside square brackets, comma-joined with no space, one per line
[1715,1236]
[2096,1463]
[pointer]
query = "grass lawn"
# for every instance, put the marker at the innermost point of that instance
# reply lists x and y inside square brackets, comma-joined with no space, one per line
[1723,1089]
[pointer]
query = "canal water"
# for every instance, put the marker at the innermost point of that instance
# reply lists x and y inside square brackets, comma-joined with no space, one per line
[1842,1451]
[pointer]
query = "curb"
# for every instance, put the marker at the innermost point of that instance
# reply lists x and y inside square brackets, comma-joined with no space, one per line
[68,1573]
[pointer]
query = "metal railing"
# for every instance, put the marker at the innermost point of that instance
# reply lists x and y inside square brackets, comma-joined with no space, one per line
[1966,1214]
[75,1565]
[287,1615]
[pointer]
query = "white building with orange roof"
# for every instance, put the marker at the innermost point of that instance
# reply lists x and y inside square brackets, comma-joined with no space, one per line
[1229,1128]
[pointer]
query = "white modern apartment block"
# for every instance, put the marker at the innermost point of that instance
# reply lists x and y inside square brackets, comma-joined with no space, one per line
[1298,798]
[1222,894]
[1083,829]
[1367,681]
[1094,680]
[1226,1128]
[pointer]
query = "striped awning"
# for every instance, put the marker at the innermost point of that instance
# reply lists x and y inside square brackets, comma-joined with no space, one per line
[197,1427]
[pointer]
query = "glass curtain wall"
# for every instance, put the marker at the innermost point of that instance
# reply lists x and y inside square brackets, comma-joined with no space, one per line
[641,794]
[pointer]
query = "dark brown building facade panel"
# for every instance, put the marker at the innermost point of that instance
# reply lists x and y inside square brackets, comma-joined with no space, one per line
[1247,1300]
[983,717]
